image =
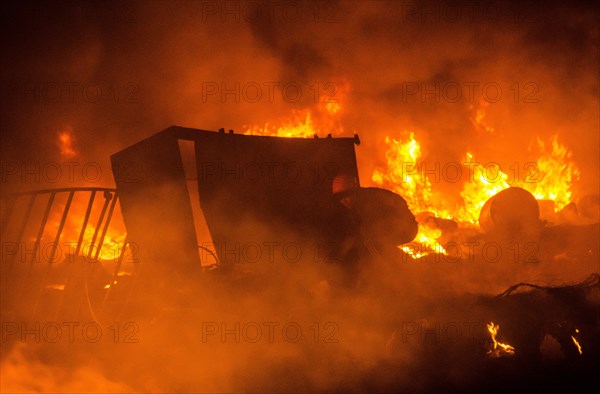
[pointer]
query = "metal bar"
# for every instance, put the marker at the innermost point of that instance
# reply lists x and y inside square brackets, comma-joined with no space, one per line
[61,226]
[38,240]
[65,189]
[107,197]
[106,224]
[86,218]
[90,271]
[54,245]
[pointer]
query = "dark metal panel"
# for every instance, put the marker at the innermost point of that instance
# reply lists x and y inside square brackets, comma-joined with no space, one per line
[267,192]
[155,203]
[253,189]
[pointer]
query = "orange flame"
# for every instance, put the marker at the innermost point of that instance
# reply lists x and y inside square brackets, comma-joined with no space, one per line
[552,177]
[400,175]
[402,178]
[301,126]
[576,342]
[112,242]
[499,349]
[324,118]
[478,189]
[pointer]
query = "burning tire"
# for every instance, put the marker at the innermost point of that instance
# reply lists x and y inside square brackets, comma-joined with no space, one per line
[513,211]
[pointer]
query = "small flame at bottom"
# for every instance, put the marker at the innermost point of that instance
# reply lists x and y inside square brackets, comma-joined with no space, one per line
[500,349]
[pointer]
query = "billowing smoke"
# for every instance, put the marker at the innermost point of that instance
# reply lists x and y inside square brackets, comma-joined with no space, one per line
[117,74]
[81,81]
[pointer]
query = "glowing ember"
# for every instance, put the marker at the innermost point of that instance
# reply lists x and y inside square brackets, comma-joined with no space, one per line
[576,342]
[107,286]
[499,349]
[413,251]
[56,286]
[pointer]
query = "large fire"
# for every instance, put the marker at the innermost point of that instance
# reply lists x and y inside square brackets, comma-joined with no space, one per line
[145,251]
[549,176]
[402,177]
[550,179]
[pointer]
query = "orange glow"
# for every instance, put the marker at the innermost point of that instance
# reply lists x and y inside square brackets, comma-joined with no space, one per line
[478,189]
[57,286]
[333,107]
[576,342]
[478,119]
[113,240]
[332,96]
[499,349]
[552,177]
[323,119]
[402,178]
[549,178]
[65,143]
[301,126]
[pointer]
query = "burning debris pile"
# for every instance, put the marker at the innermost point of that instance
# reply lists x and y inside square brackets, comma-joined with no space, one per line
[254,217]
[529,337]
[187,260]
[546,315]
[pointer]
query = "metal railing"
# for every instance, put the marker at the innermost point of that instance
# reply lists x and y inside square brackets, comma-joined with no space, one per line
[20,283]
